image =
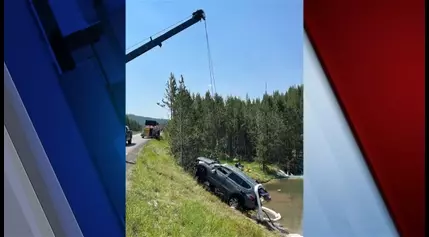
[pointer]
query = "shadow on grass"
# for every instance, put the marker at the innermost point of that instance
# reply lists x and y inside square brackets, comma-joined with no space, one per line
[130,162]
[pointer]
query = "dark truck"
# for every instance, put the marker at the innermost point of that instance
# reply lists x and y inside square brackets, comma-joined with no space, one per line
[151,129]
[236,188]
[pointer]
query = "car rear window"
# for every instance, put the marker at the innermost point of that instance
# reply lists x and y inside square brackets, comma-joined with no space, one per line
[244,184]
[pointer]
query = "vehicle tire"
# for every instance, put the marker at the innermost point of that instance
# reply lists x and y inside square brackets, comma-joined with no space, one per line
[235,202]
[207,186]
[201,174]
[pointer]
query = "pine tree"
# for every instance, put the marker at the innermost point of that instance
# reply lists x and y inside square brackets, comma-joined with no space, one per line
[267,130]
[170,94]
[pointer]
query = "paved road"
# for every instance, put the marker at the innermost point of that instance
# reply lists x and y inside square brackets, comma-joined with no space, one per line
[136,143]
[133,149]
[132,152]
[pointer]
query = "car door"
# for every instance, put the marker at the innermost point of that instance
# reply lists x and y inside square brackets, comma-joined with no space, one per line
[234,183]
[219,178]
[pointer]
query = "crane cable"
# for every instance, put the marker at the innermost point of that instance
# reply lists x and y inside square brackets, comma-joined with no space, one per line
[210,60]
[212,87]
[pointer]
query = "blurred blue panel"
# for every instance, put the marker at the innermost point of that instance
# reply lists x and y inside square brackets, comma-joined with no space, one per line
[69,16]
[79,115]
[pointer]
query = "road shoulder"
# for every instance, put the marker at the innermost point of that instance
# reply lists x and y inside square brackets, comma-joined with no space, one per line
[131,159]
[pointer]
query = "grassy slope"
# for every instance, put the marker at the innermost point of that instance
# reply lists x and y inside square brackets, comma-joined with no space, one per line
[165,201]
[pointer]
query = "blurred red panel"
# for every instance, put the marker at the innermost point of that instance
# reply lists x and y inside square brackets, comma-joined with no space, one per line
[373,53]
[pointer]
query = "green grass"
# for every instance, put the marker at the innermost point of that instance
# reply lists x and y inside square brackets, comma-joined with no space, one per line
[165,201]
[255,171]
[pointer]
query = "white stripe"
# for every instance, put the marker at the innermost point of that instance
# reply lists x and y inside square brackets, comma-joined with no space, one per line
[45,169]
[24,193]
[340,197]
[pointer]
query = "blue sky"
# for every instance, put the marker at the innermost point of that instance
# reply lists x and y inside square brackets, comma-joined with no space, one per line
[252,42]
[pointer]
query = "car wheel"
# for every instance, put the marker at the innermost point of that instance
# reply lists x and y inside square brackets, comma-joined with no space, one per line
[201,174]
[234,202]
[207,186]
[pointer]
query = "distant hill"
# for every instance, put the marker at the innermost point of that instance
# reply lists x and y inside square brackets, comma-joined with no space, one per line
[141,119]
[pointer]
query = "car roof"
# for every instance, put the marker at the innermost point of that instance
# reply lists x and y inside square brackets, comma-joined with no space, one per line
[230,167]
[207,160]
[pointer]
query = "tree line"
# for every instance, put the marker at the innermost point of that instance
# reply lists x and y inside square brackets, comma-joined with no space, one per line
[132,124]
[267,130]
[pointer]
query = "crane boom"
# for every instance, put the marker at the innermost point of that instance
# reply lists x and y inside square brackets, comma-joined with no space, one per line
[196,17]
